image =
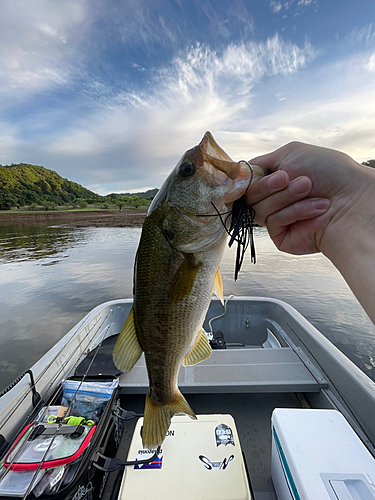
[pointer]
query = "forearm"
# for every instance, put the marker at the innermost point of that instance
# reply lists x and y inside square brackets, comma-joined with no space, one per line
[349,241]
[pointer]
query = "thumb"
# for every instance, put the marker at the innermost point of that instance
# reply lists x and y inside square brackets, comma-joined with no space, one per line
[269,160]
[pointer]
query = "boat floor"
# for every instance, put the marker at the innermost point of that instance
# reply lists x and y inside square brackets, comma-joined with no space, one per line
[252,414]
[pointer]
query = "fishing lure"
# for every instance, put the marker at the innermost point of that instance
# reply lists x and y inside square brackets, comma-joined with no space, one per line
[241,226]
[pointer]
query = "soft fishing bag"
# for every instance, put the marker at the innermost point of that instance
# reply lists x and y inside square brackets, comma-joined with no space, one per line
[57,455]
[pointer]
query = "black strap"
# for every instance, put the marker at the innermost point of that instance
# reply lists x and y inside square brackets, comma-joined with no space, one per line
[74,431]
[125,414]
[107,464]
[36,396]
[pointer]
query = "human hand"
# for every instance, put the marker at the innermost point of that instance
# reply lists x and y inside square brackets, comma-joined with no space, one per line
[305,201]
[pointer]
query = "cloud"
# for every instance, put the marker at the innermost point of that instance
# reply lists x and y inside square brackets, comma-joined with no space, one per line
[138,67]
[200,88]
[370,64]
[8,140]
[362,36]
[343,121]
[36,44]
[277,7]
[305,3]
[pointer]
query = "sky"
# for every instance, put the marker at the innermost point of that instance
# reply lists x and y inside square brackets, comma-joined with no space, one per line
[111,94]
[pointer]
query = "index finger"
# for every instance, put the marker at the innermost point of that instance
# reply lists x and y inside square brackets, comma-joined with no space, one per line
[267,186]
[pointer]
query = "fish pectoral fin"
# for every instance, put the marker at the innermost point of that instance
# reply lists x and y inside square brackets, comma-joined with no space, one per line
[183,281]
[201,351]
[158,418]
[127,350]
[218,286]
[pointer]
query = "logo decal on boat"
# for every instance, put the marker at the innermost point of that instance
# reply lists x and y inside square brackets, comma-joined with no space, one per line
[224,435]
[144,454]
[216,465]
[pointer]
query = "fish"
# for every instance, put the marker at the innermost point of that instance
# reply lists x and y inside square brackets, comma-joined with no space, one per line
[176,272]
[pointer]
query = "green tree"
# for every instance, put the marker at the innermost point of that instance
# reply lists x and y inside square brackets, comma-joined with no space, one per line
[120,201]
[48,205]
[81,203]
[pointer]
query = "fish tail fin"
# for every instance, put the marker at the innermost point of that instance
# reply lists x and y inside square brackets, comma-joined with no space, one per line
[157,418]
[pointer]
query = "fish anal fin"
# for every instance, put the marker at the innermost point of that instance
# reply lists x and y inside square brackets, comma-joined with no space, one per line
[157,418]
[200,351]
[127,350]
[183,281]
[218,286]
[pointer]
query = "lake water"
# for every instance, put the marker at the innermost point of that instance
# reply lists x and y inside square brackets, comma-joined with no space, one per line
[50,277]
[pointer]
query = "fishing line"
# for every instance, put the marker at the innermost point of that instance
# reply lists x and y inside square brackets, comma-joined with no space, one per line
[220,315]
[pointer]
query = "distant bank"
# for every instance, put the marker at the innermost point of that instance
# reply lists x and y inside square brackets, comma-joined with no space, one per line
[77,218]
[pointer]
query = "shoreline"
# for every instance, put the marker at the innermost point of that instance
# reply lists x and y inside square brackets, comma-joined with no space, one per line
[110,218]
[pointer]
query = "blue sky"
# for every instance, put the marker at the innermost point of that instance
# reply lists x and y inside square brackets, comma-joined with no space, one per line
[110,94]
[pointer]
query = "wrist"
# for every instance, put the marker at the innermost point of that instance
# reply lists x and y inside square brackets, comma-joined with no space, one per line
[349,239]
[352,218]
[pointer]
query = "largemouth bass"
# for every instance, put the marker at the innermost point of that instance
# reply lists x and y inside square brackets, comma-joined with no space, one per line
[176,271]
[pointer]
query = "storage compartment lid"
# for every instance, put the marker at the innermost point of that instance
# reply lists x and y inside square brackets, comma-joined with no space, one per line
[50,444]
[199,459]
[321,456]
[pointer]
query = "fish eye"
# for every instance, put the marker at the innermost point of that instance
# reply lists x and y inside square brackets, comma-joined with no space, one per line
[187,169]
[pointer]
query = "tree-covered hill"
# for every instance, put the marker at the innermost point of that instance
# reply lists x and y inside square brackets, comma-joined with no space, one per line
[25,184]
[149,194]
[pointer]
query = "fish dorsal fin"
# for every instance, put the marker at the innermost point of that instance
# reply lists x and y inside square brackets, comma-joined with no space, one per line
[200,351]
[218,286]
[127,350]
[183,281]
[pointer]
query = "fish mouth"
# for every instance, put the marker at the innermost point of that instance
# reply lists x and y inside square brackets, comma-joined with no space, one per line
[241,173]
[217,157]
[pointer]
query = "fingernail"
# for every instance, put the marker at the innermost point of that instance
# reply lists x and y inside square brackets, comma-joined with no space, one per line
[321,204]
[300,185]
[276,180]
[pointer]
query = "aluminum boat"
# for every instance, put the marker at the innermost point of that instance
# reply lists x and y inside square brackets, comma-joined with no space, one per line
[282,414]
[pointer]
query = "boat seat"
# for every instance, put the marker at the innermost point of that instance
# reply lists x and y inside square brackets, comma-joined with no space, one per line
[235,370]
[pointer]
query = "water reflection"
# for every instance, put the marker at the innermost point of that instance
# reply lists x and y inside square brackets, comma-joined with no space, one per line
[51,276]
[35,242]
